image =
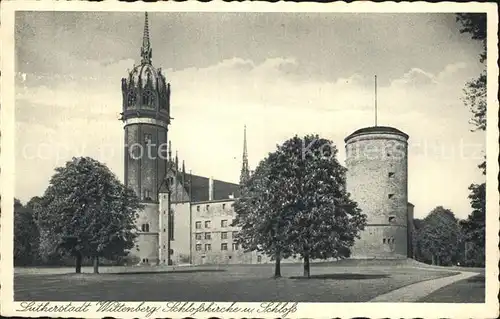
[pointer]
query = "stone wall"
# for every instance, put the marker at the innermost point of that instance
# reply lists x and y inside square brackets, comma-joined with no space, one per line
[377,179]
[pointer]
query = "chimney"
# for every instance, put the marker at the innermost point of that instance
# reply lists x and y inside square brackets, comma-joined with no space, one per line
[211,188]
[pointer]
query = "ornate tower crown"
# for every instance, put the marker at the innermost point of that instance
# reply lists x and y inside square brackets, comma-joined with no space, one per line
[145,91]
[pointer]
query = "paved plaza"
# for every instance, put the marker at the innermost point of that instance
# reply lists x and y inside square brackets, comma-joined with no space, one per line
[330,282]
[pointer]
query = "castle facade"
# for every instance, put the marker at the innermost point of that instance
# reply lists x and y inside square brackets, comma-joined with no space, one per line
[187,218]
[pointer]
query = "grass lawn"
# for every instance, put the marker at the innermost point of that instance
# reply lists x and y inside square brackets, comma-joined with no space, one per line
[471,290]
[330,282]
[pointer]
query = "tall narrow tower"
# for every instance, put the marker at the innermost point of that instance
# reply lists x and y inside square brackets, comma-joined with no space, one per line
[377,178]
[245,172]
[146,116]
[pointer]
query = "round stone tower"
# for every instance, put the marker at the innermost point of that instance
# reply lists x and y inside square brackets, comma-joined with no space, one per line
[377,178]
[146,116]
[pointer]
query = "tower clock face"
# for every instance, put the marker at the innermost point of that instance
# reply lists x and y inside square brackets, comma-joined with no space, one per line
[131,99]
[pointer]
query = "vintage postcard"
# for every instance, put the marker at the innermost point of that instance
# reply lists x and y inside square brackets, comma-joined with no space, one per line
[270,160]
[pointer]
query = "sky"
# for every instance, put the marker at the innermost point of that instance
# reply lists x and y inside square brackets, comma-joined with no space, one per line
[280,74]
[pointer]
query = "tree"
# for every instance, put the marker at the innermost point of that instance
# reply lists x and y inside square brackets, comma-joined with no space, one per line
[475,90]
[26,236]
[260,214]
[475,99]
[299,202]
[440,237]
[474,227]
[89,212]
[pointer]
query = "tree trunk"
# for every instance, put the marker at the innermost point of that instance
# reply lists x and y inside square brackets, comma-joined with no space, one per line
[277,266]
[78,263]
[96,264]
[307,269]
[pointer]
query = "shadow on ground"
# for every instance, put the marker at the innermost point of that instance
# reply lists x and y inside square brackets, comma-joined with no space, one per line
[167,272]
[343,276]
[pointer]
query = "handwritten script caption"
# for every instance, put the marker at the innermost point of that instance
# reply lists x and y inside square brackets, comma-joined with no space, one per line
[151,309]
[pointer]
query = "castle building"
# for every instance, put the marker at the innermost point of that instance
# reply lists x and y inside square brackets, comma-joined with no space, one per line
[186,218]
[377,178]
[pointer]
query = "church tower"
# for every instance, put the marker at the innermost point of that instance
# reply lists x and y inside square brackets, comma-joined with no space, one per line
[245,172]
[146,116]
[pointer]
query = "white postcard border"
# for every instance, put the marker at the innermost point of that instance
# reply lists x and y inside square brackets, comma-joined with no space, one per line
[344,310]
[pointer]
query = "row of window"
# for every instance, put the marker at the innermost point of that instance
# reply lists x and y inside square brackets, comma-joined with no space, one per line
[388,240]
[223,235]
[223,223]
[148,98]
[207,206]
[223,246]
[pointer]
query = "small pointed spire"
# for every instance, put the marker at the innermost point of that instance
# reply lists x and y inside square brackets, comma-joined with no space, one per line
[176,162]
[146,52]
[183,174]
[245,172]
[169,152]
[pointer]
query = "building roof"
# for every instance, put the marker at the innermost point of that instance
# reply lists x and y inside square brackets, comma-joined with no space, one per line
[200,188]
[376,130]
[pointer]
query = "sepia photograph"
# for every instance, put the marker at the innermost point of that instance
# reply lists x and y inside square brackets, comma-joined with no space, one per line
[189,161]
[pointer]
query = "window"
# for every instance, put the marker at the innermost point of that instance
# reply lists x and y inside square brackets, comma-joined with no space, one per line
[223,223]
[198,236]
[145,228]
[147,138]
[208,247]
[259,259]
[198,208]
[391,195]
[383,240]
[235,246]
[392,219]
[207,207]
[147,194]
[148,98]
[164,230]
[223,246]
[391,174]
[164,247]
[392,240]
[223,235]
[171,225]
[198,247]
[223,206]
[208,235]
[131,99]
[198,225]
[207,224]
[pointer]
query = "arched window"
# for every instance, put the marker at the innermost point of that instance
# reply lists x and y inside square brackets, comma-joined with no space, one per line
[145,228]
[131,99]
[148,98]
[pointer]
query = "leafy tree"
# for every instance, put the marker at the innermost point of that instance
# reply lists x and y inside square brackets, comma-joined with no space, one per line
[301,203]
[475,90]
[89,212]
[474,226]
[260,214]
[26,236]
[440,237]
[418,225]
